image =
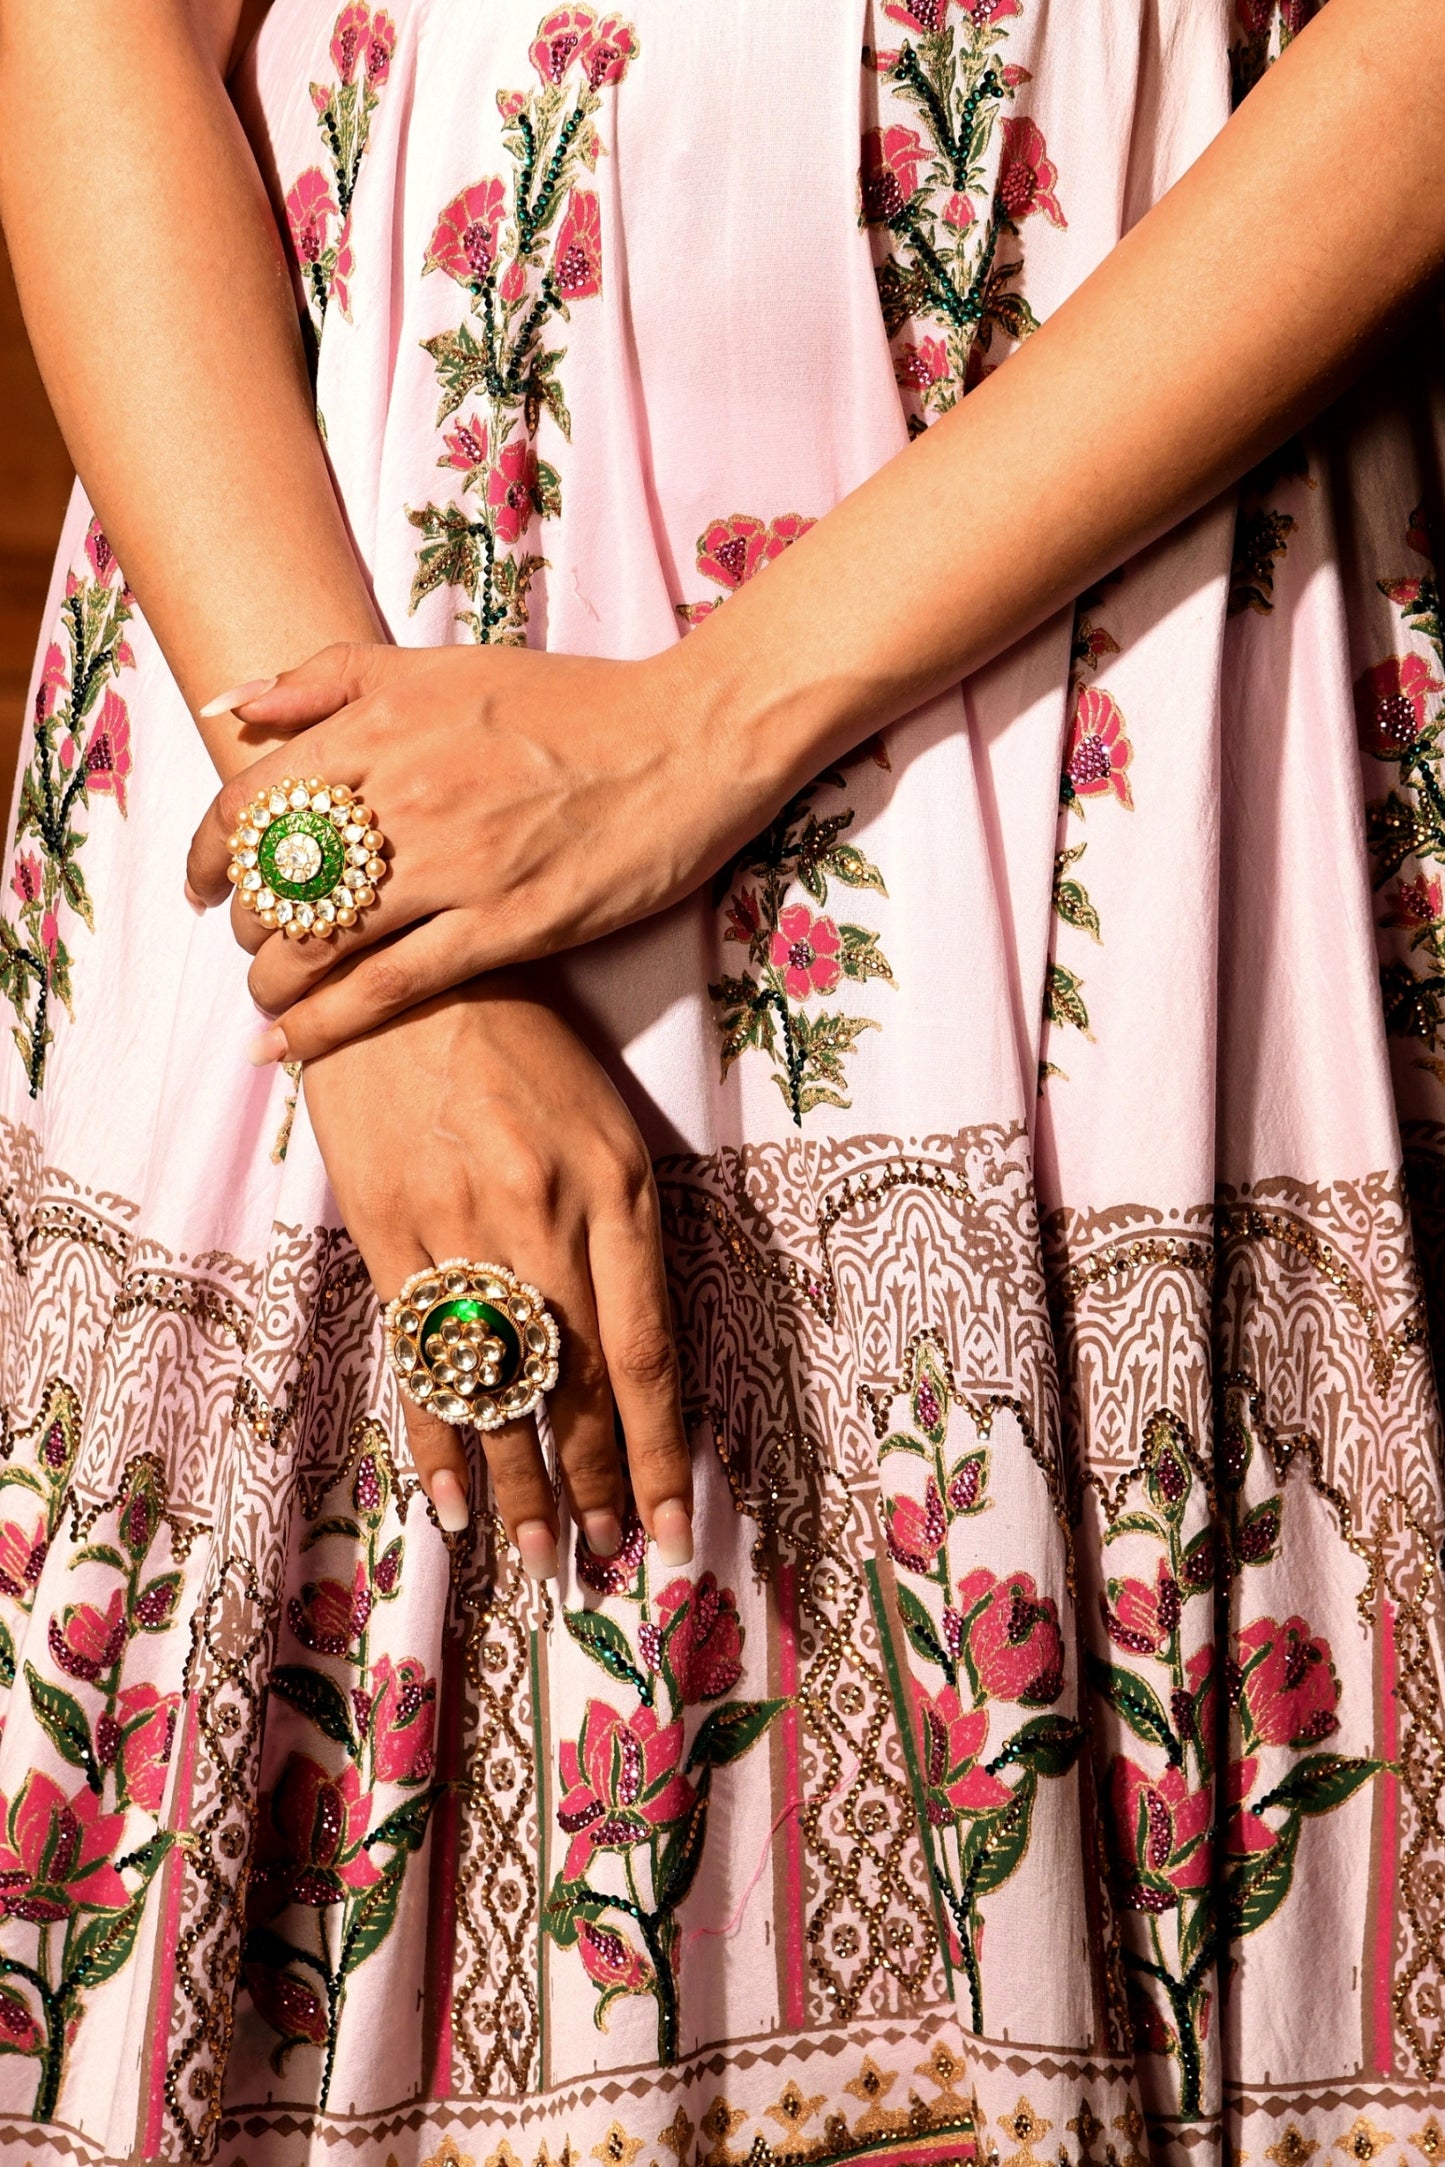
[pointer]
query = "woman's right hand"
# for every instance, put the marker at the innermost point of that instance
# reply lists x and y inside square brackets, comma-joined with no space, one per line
[478,1125]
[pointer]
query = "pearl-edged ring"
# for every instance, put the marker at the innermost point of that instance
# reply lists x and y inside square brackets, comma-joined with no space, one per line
[306,858]
[472,1343]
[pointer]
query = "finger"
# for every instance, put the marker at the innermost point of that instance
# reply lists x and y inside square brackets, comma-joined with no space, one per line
[629,1283]
[582,1415]
[379,984]
[437,1451]
[522,1493]
[317,687]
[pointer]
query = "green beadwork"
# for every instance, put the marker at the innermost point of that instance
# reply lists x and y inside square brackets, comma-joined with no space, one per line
[324,835]
[467,1310]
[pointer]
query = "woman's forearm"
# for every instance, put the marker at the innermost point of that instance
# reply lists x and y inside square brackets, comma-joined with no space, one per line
[1218,325]
[158,301]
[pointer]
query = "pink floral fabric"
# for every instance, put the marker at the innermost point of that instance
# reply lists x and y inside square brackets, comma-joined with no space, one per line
[1040,1761]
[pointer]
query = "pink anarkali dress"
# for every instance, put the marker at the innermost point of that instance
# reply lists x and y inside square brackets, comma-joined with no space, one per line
[1042,1761]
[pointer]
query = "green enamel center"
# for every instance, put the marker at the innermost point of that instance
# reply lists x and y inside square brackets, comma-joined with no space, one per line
[320,831]
[468,1311]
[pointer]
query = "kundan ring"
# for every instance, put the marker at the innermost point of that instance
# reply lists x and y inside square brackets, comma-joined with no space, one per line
[306,858]
[472,1343]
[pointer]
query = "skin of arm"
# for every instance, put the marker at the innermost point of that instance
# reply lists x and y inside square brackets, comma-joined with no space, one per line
[169,342]
[1228,315]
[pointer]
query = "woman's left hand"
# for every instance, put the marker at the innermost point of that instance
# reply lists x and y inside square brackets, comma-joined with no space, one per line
[530,803]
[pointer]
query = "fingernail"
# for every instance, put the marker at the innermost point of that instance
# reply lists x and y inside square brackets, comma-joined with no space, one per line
[449,1501]
[194,900]
[538,1546]
[603,1531]
[225,703]
[672,1532]
[267,1046]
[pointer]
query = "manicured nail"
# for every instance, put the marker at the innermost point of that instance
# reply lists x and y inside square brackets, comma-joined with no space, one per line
[194,900]
[672,1532]
[267,1046]
[226,703]
[538,1546]
[603,1531]
[449,1501]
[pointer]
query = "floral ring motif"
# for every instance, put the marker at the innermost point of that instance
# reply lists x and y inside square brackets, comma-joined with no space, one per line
[306,858]
[472,1343]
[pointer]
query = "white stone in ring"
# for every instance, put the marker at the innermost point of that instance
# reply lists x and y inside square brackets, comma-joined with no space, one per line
[298,858]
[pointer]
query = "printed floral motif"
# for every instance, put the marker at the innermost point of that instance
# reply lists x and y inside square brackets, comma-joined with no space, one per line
[925,190]
[1097,759]
[796,952]
[79,1840]
[635,1787]
[363,43]
[997,1643]
[1196,1890]
[1400,712]
[1264,28]
[524,250]
[331,1855]
[80,750]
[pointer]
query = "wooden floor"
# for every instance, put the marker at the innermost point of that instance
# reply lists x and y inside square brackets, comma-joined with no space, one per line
[35,481]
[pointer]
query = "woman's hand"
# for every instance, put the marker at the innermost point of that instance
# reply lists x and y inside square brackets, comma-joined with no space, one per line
[480,1126]
[530,803]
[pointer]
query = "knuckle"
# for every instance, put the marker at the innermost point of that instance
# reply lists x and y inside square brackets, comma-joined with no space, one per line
[587,1374]
[647,1358]
[528,1179]
[232,800]
[591,1465]
[389,983]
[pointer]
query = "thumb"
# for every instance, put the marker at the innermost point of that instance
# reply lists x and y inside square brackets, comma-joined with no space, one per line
[316,688]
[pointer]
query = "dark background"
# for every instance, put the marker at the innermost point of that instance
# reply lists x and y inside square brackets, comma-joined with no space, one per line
[35,477]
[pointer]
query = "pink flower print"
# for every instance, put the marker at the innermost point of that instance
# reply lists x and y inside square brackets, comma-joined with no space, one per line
[328,1616]
[611,1961]
[1415,903]
[1142,1619]
[731,550]
[891,158]
[1099,753]
[609,51]
[56,1852]
[511,103]
[464,244]
[1014,1641]
[87,1642]
[50,936]
[22,1557]
[26,879]
[950,1739]
[403,1721]
[1390,704]
[991,11]
[147,1724]
[923,365]
[577,257]
[1290,1687]
[958,212]
[310,207]
[512,489]
[1245,1833]
[344,267]
[514,283]
[381,46]
[915,1532]
[287,2004]
[924,16]
[561,36]
[882,59]
[1161,1835]
[623,1783]
[1404,593]
[703,1637]
[1027,175]
[107,753]
[311,1846]
[466,446]
[54,680]
[805,949]
[100,553]
[348,39]
[19,2031]
[616,1574]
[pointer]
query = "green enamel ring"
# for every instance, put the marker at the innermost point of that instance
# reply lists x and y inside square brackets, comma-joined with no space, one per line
[306,858]
[472,1343]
